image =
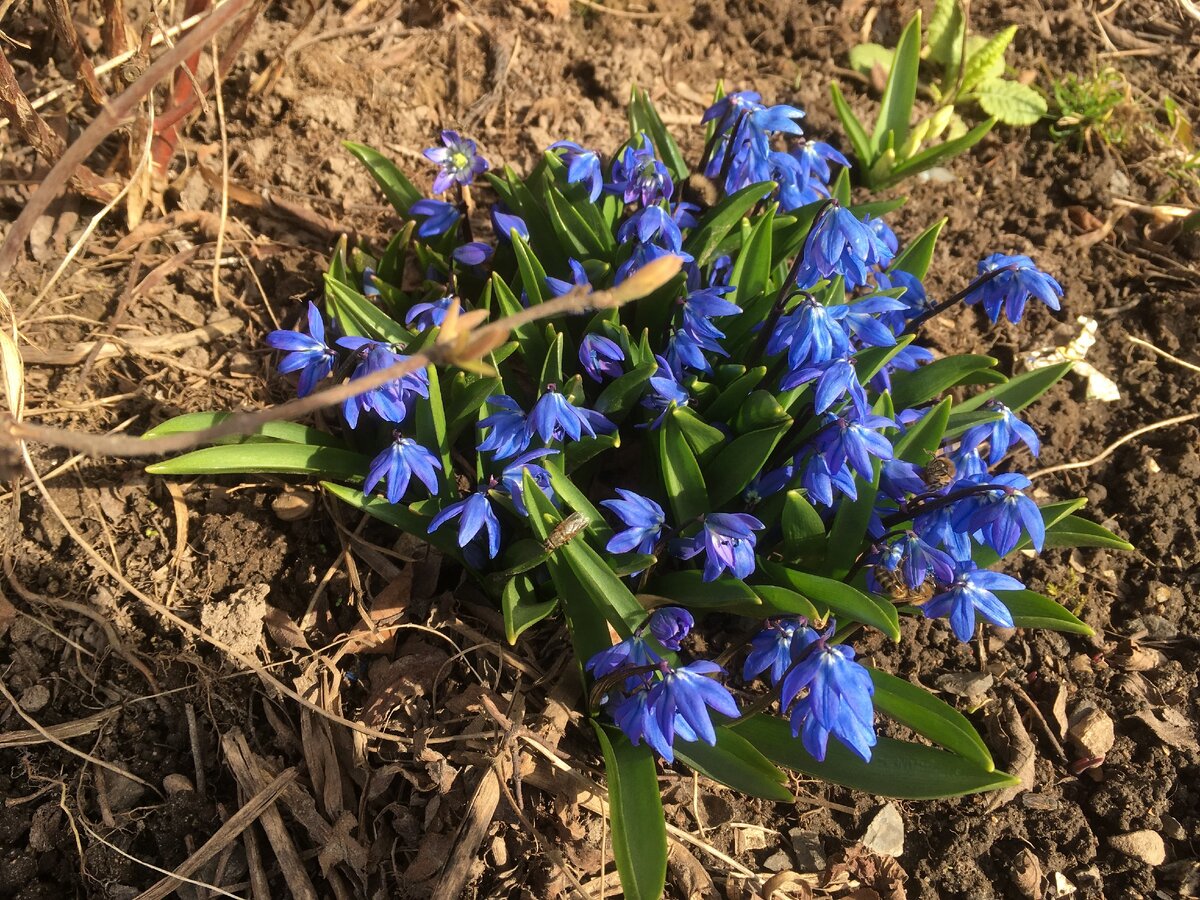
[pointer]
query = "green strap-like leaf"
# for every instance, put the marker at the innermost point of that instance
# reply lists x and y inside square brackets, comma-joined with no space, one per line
[681,475]
[1073,531]
[276,458]
[843,600]
[688,588]
[521,607]
[897,768]
[895,111]
[939,153]
[915,388]
[735,763]
[707,235]
[358,316]
[921,441]
[288,432]
[644,117]
[1032,610]
[853,128]
[639,830]
[740,462]
[917,256]
[1016,393]
[398,189]
[930,717]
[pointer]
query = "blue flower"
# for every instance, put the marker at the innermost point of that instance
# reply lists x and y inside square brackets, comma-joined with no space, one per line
[439,217]
[839,699]
[727,540]
[583,167]
[811,334]
[637,718]
[370,286]
[400,461]
[555,418]
[768,484]
[630,653]
[1000,515]
[883,231]
[306,352]
[1001,434]
[600,357]
[670,625]
[937,527]
[652,224]
[908,359]
[1019,279]
[644,521]
[509,433]
[505,223]
[477,517]
[683,352]
[841,244]
[921,558]
[820,481]
[474,253]
[814,158]
[579,276]
[835,379]
[458,159]
[665,391]
[390,401]
[428,315]
[513,477]
[699,308]
[686,692]
[970,593]
[728,109]
[637,174]
[844,440]
[898,478]
[771,649]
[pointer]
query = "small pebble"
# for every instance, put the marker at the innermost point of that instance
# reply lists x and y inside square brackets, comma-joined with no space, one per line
[1145,845]
[34,698]
[885,834]
[807,850]
[177,784]
[777,862]
[1090,731]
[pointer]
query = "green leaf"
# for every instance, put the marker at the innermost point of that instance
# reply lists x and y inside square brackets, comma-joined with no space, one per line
[986,62]
[398,189]
[704,439]
[639,830]
[397,515]
[574,231]
[850,524]
[565,488]
[622,393]
[895,110]
[1011,102]
[1031,610]
[735,763]
[947,27]
[897,768]
[533,276]
[1073,531]
[271,458]
[606,589]
[1016,393]
[288,432]
[467,394]
[751,277]
[854,130]
[921,441]
[916,257]
[552,365]
[680,473]
[521,607]
[869,361]
[939,153]
[761,410]
[803,529]
[644,117]
[687,587]
[843,600]
[431,430]
[730,400]
[740,462]
[530,339]
[912,389]
[707,235]
[929,717]
[359,317]
[865,57]
[777,601]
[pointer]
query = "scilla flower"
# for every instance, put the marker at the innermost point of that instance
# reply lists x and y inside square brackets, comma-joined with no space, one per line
[476,517]
[644,522]
[509,434]
[555,418]
[727,541]
[436,216]
[1001,434]
[458,160]
[400,461]
[1017,281]
[839,695]
[842,244]
[307,353]
[970,593]
[600,357]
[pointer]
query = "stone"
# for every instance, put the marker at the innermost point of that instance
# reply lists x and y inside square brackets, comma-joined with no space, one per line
[885,834]
[177,784]
[123,793]
[34,698]
[1147,846]
[1090,731]
[972,686]
[778,862]
[807,850]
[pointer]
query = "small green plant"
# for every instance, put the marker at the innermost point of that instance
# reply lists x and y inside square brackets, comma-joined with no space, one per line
[972,70]
[1088,106]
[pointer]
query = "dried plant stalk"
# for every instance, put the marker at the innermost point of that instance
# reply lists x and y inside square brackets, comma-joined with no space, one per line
[60,16]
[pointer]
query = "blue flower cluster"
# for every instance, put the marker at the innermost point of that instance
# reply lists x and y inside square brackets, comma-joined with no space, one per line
[844,296]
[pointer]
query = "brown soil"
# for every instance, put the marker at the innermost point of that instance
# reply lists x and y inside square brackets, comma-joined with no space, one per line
[516,78]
